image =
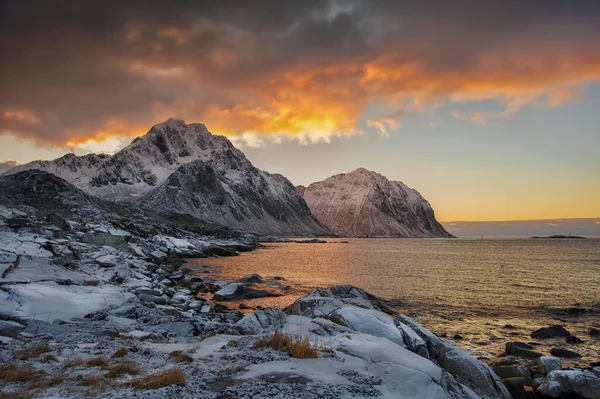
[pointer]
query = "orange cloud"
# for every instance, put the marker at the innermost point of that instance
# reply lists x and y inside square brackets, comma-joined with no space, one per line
[315,102]
[26,117]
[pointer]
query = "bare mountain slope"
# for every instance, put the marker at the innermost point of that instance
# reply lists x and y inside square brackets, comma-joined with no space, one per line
[183,168]
[365,203]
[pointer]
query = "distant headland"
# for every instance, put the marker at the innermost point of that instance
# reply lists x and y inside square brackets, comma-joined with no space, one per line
[561,236]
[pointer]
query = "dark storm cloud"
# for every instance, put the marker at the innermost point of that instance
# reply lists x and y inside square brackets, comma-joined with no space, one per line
[73,70]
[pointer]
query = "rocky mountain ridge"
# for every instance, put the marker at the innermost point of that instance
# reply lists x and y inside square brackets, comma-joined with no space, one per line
[365,203]
[183,168]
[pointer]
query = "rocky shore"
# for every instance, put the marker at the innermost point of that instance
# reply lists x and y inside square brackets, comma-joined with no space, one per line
[89,309]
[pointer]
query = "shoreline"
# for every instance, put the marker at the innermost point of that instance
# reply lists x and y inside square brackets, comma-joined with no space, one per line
[481,332]
[97,311]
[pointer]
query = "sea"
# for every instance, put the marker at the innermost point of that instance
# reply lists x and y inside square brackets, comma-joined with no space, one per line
[477,293]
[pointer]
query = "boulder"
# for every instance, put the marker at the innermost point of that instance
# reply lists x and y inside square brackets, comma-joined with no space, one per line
[213,250]
[572,339]
[147,291]
[107,261]
[35,327]
[565,353]
[158,255]
[159,300]
[179,328]
[264,319]
[10,328]
[368,321]
[555,331]
[112,238]
[240,291]
[512,371]
[251,279]
[547,364]
[229,292]
[570,383]
[354,309]
[197,305]
[520,349]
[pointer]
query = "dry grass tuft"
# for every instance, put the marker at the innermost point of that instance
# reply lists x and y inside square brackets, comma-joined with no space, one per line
[97,362]
[11,267]
[300,348]
[297,346]
[96,385]
[31,353]
[122,368]
[42,383]
[120,353]
[181,357]
[159,380]
[88,381]
[14,373]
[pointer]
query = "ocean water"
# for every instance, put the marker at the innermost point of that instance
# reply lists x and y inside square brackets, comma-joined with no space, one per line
[474,288]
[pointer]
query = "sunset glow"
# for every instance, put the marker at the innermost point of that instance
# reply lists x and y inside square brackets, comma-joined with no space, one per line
[334,73]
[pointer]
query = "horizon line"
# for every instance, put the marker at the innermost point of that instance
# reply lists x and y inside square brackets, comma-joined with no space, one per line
[518,220]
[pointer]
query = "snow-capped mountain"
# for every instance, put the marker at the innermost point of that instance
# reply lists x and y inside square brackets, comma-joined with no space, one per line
[136,169]
[184,168]
[365,203]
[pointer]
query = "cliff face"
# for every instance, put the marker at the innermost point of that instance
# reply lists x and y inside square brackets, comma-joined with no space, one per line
[365,203]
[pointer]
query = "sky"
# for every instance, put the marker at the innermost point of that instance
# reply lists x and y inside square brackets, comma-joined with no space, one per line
[488,109]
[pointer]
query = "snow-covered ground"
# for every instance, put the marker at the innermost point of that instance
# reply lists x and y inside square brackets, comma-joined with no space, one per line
[80,319]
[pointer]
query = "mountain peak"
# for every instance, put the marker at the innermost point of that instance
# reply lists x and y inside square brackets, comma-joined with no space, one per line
[172,122]
[366,203]
[178,124]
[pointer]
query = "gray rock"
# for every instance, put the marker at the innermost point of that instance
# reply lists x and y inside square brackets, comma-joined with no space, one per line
[147,291]
[158,255]
[251,279]
[101,238]
[264,319]
[181,329]
[571,383]
[546,364]
[110,329]
[513,371]
[138,251]
[36,327]
[521,349]
[159,300]
[565,353]
[327,303]
[107,261]
[230,291]
[197,305]
[10,328]
[555,331]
